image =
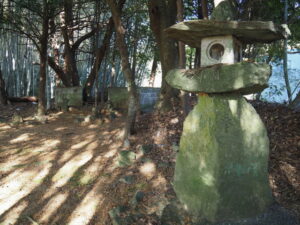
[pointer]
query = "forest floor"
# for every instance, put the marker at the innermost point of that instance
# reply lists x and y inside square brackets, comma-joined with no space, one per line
[66,171]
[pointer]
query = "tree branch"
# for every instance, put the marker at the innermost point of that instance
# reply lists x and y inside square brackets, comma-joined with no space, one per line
[59,71]
[76,45]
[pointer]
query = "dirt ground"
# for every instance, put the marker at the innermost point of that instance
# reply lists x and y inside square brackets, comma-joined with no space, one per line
[64,171]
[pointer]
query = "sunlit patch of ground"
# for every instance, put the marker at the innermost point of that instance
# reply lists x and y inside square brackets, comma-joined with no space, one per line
[57,172]
[64,172]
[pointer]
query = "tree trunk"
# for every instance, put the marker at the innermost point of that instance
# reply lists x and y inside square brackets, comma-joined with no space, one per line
[70,67]
[162,15]
[100,53]
[129,76]
[202,14]
[182,60]
[285,59]
[3,93]
[153,70]
[43,62]
[23,99]
[59,72]
[135,47]
[296,103]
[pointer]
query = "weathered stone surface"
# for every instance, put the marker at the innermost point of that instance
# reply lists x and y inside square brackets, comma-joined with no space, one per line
[191,32]
[230,53]
[275,215]
[115,215]
[145,149]
[17,119]
[223,11]
[130,179]
[171,215]
[119,98]
[137,198]
[42,119]
[221,171]
[70,96]
[245,78]
[126,158]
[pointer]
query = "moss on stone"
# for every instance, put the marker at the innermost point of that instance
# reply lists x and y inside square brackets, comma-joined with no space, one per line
[68,96]
[244,77]
[221,168]
[224,11]
[191,32]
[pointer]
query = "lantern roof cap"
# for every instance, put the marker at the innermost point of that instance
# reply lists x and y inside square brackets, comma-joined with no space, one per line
[191,32]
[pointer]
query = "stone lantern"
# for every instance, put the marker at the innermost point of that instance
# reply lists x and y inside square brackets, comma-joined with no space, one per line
[221,171]
[220,49]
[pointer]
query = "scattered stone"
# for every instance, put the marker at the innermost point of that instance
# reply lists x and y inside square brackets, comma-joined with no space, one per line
[115,215]
[42,119]
[112,115]
[174,121]
[106,120]
[89,119]
[137,198]
[17,119]
[157,204]
[126,143]
[175,147]
[78,120]
[147,160]
[73,109]
[130,179]
[98,122]
[126,158]
[163,165]
[145,149]
[171,215]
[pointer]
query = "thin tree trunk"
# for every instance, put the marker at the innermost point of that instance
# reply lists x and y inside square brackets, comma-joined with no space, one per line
[135,46]
[43,62]
[153,70]
[204,9]
[100,53]
[103,86]
[285,59]
[3,93]
[182,60]
[202,14]
[129,76]
[296,102]
[113,69]
[56,60]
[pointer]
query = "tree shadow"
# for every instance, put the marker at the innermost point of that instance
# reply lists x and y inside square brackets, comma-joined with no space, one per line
[73,189]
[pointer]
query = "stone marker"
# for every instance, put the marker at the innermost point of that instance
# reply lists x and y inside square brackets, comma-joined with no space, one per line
[68,96]
[221,171]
